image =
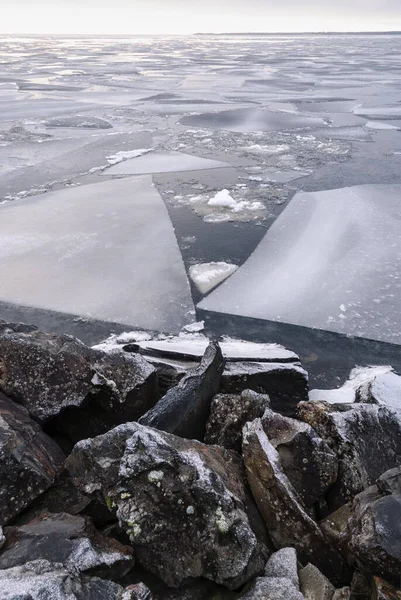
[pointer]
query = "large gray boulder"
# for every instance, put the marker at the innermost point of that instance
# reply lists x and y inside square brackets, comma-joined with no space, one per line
[30,460]
[314,585]
[183,504]
[272,588]
[228,415]
[288,523]
[69,540]
[286,384]
[52,374]
[366,439]
[306,459]
[184,410]
[284,564]
[44,580]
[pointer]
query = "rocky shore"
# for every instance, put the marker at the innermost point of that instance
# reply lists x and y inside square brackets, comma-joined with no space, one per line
[153,468]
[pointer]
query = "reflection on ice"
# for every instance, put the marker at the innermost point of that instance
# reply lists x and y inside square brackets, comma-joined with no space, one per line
[331,261]
[106,251]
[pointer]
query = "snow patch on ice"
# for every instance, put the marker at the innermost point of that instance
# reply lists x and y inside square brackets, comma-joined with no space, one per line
[222,198]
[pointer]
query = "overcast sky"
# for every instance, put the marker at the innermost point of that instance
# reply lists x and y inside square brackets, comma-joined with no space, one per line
[189,16]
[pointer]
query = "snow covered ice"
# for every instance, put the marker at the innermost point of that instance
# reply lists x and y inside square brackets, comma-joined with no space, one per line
[331,261]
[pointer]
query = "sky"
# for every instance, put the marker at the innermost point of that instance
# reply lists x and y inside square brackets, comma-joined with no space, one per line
[190,16]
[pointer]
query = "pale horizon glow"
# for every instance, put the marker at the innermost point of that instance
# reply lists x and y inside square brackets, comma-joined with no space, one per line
[124,17]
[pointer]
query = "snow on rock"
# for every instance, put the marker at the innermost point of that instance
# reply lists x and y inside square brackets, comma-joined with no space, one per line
[384,389]
[222,198]
[359,377]
[207,276]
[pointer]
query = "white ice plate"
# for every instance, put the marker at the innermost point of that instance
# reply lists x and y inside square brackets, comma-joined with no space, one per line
[170,162]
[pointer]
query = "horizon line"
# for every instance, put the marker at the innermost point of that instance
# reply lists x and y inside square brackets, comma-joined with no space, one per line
[211,33]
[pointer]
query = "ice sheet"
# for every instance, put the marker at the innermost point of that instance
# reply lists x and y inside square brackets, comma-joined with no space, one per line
[331,261]
[104,250]
[207,275]
[168,162]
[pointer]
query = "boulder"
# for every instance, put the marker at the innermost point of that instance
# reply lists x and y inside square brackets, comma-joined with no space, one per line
[284,564]
[44,580]
[342,594]
[366,439]
[287,521]
[139,591]
[285,383]
[183,504]
[271,588]
[68,540]
[314,585]
[360,587]
[228,415]
[30,460]
[368,529]
[382,590]
[52,374]
[306,459]
[184,410]
[62,497]
[384,389]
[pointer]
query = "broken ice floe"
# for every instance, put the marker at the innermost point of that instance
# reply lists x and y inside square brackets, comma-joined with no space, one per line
[168,162]
[105,251]
[207,276]
[331,261]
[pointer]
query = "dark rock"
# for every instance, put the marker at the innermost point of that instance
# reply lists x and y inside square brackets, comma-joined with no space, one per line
[228,415]
[30,460]
[44,580]
[284,564]
[198,589]
[2,538]
[271,588]
[306,459]
[185,408]
[69,540]
[183,504]
[52,374]
[366,439]
[139,591]
[382,590]
[360,587]
[62,497]
[371,535]
[390,482]
[287,521]
[285,384]
[314,585]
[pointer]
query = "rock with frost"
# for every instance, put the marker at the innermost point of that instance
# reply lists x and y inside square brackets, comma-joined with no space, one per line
[359,378]
[62,496]
[287,521]
[183,504]
[228,415]
[371,532]
[139,591]
[342,594]
[306,459]
[314,585]
[384,390]
[184,410]
[44,580]
[52,374]
[271,588]
[284,564]
[285,384]
[68,540]
[30,460]
[366,439]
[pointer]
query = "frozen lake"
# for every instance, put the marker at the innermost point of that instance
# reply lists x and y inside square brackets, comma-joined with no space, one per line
[149,131]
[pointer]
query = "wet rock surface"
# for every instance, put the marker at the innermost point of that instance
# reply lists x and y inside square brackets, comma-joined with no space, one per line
[184,410]
[183,504]
[30,460]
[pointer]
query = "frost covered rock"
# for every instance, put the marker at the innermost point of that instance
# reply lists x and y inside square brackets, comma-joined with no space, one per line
[62,497]
[185,408]
[30,460]
[44,580]
[314,585]
[359,378]
[183,504]
[272,588]
[68,540]
[53,374]
[285,384]
[370,533]
[342,594]
[366,439]
[284,564]
[138,591]
[228,415]
[287,521]
[384,390]
[306,459]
